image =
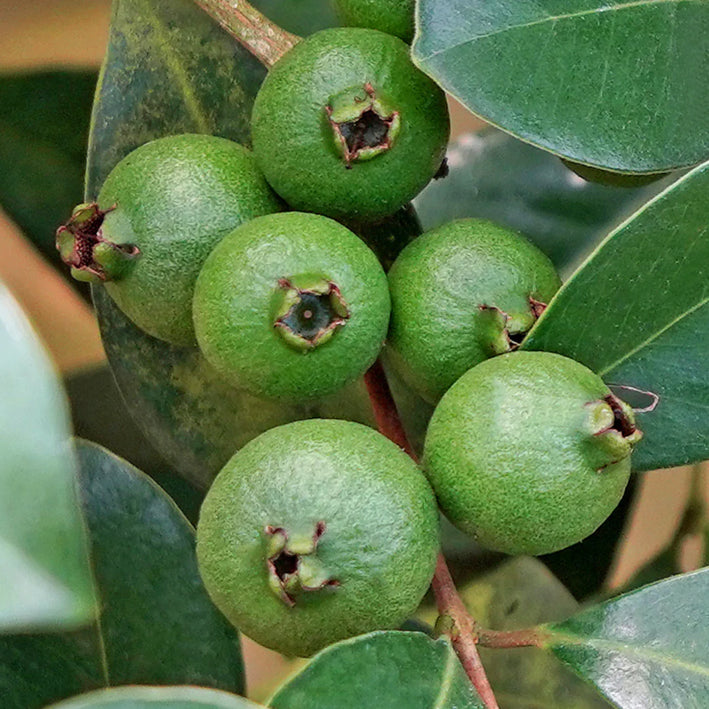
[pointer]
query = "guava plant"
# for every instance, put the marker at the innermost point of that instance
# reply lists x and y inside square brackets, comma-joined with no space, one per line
[363,411]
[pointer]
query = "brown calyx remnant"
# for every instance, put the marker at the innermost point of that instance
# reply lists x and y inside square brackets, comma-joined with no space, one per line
[309,311]
[363,125]
[621,419]
[292,563]
[83,247]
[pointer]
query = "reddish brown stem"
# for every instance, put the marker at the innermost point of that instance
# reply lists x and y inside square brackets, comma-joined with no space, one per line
[264,39]
[463,632]
[384,408]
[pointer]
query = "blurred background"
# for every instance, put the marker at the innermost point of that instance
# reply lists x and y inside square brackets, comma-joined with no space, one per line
[70,35]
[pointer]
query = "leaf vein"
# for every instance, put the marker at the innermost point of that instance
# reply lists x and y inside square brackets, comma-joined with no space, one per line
[555,18]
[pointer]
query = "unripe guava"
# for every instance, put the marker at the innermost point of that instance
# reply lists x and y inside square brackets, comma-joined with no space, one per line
[529,452]
[316,531]
[461,293]
[345,125]
[159,213]
[391,16]
[291,306]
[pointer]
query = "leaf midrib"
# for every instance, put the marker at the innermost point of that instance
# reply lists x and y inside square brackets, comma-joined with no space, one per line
[555,636]
[555,18]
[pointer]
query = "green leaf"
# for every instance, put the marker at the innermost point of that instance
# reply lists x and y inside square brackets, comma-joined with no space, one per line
[518,594]
[619,84]
[644,650]
[387,670]
[195,419]
[168,69]
[46,580]
[495,176]
[100,415]
[637,313]
[148,697]
[157,624]
[44,126]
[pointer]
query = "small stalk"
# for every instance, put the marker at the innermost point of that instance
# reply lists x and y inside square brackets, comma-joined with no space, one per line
[462,627]
[264,39]
[502,639]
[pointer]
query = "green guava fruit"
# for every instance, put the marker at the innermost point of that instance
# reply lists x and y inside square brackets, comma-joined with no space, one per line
[345,125]
[391,16]
[317,531]
[610,178]
[159,213]
[460,294]
[291,306]
[529,452]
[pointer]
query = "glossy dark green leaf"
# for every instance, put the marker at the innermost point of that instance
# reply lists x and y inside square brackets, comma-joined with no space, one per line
[644,650]
[519,594]
[157,624]
[637,313]
[45,579]
[387,670]
[44,126]
[168,69]
[495,176]
[157,698]
[195,419]
[619,84]
[99,414]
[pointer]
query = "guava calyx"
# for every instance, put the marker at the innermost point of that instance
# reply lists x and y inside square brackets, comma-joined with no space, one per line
[292,563]
[614,429]
[84,248]
[309,310]
[363,125]
[504,331]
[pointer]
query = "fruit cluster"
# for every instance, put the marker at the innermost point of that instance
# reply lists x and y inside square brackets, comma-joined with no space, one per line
[319,530]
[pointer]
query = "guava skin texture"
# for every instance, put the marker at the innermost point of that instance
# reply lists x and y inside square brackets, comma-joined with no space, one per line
[250,282]
[174,199]
[343,514]
[309,103]
[529,452]
[391,16]
[462,293]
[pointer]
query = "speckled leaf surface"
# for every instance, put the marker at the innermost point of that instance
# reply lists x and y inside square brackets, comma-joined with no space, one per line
[495,176]
[644,650]
[45,579]
[521,593]
[195,419]
[157,624]
[620,84]
[387,670]
[637,313]
[156,698]
[168,69]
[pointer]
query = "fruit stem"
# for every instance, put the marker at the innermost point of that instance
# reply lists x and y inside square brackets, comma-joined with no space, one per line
[463,633]
[463,629]
[264,39]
